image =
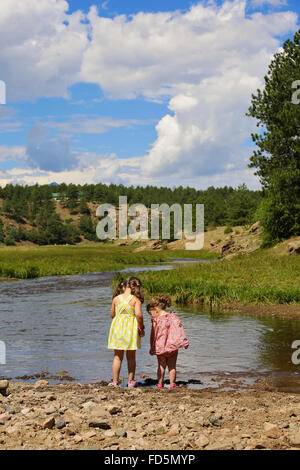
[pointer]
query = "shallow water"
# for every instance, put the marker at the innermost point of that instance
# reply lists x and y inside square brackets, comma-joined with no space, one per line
[62,323]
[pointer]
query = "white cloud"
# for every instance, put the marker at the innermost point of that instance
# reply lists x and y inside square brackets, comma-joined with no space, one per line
[11,153]
[85,124]
[206,62]
[40,55]
[274,3]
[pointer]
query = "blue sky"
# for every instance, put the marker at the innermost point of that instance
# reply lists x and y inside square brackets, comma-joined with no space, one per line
[156,96]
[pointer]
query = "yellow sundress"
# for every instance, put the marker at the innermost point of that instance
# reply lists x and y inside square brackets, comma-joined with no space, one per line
[123,333]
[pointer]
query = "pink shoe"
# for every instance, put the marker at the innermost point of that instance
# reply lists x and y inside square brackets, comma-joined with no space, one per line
[131,384]
[113,384]
[173,386]
[160,386]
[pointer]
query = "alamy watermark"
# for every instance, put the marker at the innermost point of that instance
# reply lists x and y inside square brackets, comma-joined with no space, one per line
[296,94]
[2,92]
[2,353]
[139,223]
[296,354]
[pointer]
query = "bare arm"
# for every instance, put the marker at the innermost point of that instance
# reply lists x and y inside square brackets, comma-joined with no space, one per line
[152,337]
[152,334]
[112,310]
[138,313]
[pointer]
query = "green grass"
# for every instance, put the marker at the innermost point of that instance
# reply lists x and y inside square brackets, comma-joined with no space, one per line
[28,263]
[256,278]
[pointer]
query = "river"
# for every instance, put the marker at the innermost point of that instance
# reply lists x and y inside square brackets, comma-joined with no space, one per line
[61,324]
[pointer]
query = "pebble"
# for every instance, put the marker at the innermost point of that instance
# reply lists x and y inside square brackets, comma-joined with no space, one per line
[113,410]
[4,385]
[49,423]
[97,423]
[294,438]
[121,432]
[41,383]
[202,441]
[60,424]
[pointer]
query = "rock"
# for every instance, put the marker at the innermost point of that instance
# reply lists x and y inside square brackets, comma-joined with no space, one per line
[99,423]
[109,433]
[99,413]
[102,397]
[294,248]
[12,430]
[254,227]
[51,397]
[60,424]
[239,446]
[272,430]
[41,383]
[132,435]
[9,410]
[89,435]
[77,439]
[26,411]
[49,423]
[70,431]
[5,417]
[3,385]
[226,246]
[113,410]
[174,430]
[160,429]
[294,438]
[89,405]
[221,445]
[121,432]
[214,419]
[202,441]
[50,410]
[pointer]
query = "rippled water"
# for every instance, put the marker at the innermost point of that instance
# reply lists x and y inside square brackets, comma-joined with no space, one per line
[62,323]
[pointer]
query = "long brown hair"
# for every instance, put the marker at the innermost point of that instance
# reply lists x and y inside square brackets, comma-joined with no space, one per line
[135,286]
[162,301]
[120,287]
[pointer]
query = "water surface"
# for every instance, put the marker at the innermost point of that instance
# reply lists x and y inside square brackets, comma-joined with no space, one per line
[62,323]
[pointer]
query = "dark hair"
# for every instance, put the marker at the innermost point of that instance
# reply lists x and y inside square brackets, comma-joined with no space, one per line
[135,286]
[119,288]
[162,301]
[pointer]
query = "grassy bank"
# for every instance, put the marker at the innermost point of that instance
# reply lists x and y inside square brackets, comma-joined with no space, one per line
[32,262]
[256,278]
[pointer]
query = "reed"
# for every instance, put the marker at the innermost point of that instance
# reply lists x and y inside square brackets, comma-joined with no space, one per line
[32,262]
[255,278]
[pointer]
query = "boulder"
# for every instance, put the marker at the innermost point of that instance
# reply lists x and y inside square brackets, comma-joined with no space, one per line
[254,227]
[294,248]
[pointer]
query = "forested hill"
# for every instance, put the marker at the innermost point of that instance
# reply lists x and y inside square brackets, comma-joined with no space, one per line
[59,214]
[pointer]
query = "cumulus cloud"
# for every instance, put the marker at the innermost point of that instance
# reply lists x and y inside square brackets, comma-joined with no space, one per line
[48,154]
[41,47]
[205,62]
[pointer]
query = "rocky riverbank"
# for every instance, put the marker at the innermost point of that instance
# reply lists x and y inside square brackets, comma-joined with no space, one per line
[75,416]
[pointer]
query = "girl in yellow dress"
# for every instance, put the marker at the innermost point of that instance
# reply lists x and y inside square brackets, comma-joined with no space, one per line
[127,327]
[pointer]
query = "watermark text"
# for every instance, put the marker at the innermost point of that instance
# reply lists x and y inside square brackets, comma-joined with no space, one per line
[139,223]
[2,353]
[2,92]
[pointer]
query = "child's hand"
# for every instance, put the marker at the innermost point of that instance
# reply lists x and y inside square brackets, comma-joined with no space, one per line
[141,331]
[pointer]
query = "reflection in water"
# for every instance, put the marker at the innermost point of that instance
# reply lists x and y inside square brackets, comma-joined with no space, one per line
[62,323]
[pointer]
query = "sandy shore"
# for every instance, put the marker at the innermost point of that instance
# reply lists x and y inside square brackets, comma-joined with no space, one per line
[75,416]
